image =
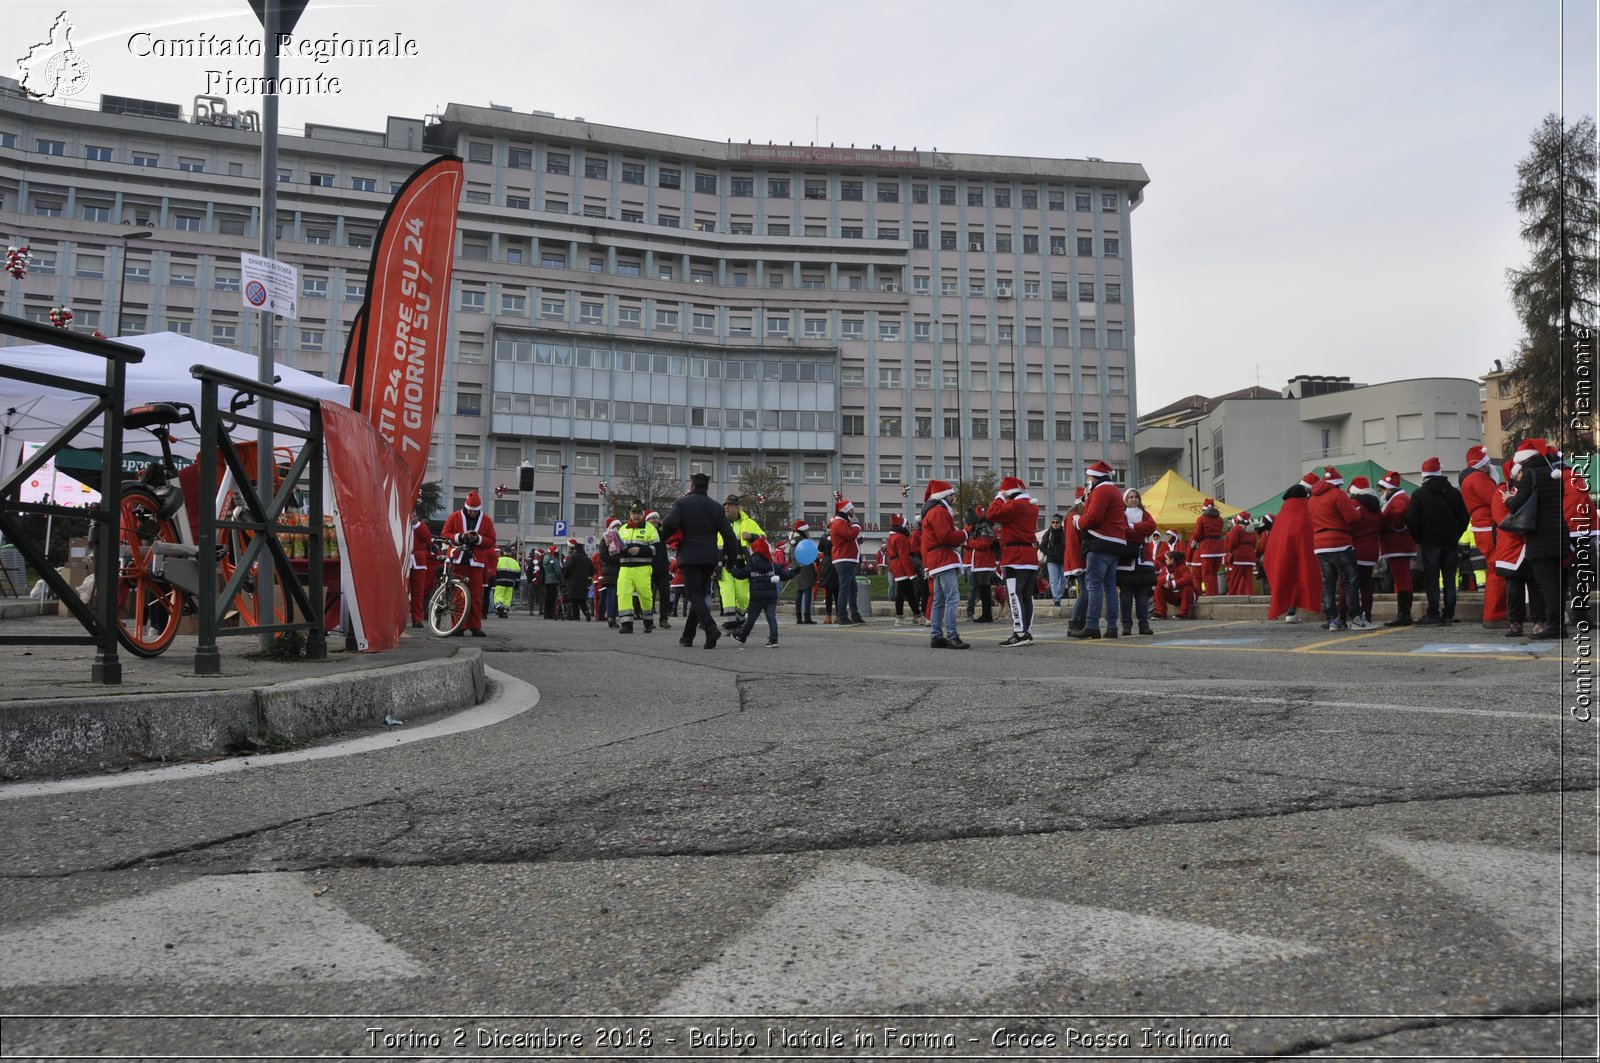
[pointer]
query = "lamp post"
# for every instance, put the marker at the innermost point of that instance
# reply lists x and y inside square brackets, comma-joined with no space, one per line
[122,285]
[563,503]
[1003,295]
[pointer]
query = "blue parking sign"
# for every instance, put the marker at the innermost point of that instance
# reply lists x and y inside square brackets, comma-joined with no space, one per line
[559,529]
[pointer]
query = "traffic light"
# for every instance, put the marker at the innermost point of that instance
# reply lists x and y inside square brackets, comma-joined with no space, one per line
[525,483]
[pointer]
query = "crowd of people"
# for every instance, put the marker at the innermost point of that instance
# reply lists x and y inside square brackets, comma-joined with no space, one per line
[1325,551]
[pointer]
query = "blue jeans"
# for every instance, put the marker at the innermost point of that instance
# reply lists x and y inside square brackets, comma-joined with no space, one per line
[1341,565]
[1100,587]
[755,611]
[946,603]
[1080,604]
[802,603]
[1440,561]
[1058,583]
[847,589]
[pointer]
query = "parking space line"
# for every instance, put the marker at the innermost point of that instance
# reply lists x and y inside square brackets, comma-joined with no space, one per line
[1343,639]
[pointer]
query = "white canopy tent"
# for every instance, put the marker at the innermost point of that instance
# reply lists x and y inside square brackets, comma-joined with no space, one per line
[31,412]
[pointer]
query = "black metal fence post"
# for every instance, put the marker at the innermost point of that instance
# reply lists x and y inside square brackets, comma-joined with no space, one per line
[317,637]
[207,658]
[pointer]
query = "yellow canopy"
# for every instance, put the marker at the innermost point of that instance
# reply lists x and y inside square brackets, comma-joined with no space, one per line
[1176,503]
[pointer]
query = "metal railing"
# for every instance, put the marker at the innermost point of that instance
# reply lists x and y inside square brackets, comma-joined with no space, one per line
[261,519]
[109,399]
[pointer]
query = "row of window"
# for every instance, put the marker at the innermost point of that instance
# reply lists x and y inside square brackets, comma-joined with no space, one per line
[180,274]
[893,426]
[580,356]
[973,192]
[619,411]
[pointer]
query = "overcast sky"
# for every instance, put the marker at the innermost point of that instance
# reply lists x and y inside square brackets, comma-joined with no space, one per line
[1330,182]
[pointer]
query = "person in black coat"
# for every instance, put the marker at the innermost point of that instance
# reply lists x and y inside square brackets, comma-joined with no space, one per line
[1436,518]
[701,520]
[766,578]
[576,574]
[805,578]
[1540,484]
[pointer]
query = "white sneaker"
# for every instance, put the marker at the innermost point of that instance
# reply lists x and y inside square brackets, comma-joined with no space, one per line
[1358,621]
[1293,618]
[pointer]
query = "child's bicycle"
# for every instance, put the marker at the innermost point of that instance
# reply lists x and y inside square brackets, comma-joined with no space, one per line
[451,597]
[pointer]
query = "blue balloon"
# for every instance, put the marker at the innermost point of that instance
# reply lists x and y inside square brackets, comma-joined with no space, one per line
[805,552]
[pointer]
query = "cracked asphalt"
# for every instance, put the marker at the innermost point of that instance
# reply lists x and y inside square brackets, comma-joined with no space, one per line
[1386,838]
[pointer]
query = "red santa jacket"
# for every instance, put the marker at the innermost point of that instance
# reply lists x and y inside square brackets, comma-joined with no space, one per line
[843,533]
[1240,544]
[1394,538]
[1509,547]
[898,547]
[483,553]
[1178,578]
[1072,549]
[1208,537]
[1333,516]
[1366,531]
[1017,521]
[941,538]
[979,552]
[1103,518]
[421,545]
[1477,489]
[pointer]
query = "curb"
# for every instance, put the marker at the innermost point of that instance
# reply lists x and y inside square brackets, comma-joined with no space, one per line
[52,737]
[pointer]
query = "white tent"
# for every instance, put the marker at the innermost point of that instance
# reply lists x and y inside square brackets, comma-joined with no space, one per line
[29,411]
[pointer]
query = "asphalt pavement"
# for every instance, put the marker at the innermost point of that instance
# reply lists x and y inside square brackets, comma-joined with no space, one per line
[1229,838]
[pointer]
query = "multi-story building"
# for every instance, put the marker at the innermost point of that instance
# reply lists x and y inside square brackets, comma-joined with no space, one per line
[1244,446]
[633,304]
[1498,401]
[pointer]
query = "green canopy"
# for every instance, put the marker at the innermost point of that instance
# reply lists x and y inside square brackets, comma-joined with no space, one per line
[1370,469]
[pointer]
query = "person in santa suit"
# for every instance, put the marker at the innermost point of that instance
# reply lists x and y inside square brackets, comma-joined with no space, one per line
[1103,532]
[1208,546]
[1477,491]
[1175,586]
[1072,562]
[845,532]
[979,557]
[1333,516]
[942,538]
[1293,577]
[1015,516]
[1240,544]
[1355,603]
[423,565]
[471,530]
[1524,601]
[897,548]
[1136,571]
[1396,548]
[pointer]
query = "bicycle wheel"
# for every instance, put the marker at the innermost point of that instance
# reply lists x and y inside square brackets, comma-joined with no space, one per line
[244,602]
[447,608]
[149,608]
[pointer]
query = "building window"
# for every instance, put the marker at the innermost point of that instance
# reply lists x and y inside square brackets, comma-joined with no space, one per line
[704,323]
[311,339]
[667,320]
[777,188]
[974,196]
[473,301]
[96,154]
[558,162]
[189,223]
[816,188]
[1408,426]
[513,304]
[669,177]
[1085,246]
[1091,430]
[705,182]
[633,173]
[850,190]
[980,428]
[225,280]
[224,334]
[596,168]
[1108,202]
[1063,429]
[141,158]
[852,424]
[628,317]
[741,187]
[314,287]
[947,195]
[50,147]
[1113,247]
[889,425]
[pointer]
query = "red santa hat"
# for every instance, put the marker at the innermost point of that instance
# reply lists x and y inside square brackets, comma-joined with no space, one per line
[1099,470]
[801,526]
[1242,517]
[843,506]
[1077,494]
[937,490]
[1309,479]
[1530,448]
[652,515]
[1208,503]
[474,501]
[1390,481]
[1431,467]
[614,522]
[1012,486]
[1477,457]
[1332,476]
[571,542]
[758,545]
[1361,486]
[1506,469]
[897,521]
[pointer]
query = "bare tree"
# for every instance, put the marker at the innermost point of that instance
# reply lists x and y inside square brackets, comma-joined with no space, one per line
[657,490]
[764,494]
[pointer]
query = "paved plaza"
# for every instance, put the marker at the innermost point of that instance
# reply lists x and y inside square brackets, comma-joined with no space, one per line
[1231,837]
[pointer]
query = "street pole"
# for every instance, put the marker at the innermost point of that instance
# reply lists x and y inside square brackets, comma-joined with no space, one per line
[1016,414]
[122,285]
[264,358]
[563,502]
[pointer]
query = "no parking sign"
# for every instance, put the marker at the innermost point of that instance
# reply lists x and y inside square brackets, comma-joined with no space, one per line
[269,285]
